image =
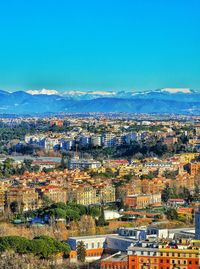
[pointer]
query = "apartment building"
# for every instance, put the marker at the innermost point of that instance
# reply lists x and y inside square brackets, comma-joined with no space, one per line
[163,256]
[54,193]
[84,195]
[141,201]
[26,198]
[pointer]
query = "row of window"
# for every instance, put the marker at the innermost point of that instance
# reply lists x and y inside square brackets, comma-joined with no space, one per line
[114,267]
[93,245]
[93,254]
[170,254]
[167,261]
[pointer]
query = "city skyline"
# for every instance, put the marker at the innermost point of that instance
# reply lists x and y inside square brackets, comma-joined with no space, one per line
[99,46]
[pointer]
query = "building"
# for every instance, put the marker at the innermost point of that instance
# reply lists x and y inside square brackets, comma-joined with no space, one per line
[82,164]
[152,255]
[26,198]
[67,144]
[51,143]
[44,164]
[105,193]
[175,202]
[84,141]
[83,195]
[96,140]
[94,246]
[194,168]
[117,260]
[54,193]
[108,140]
[142,200]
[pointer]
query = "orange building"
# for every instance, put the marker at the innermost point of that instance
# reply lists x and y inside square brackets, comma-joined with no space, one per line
[163,257]
[194,168]
[91,254]
[142,201]
[58,123]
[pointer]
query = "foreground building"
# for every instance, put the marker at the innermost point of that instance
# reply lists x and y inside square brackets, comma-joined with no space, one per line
[163,256]
[94,246]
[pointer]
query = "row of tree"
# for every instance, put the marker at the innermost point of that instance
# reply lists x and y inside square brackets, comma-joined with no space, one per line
[69,211]
[183,193]
[9,168]
[42,246]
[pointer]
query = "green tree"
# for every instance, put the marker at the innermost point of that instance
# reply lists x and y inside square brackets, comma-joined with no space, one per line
[101,220]
[166,193]
[81,251]
[171,213]
[14,207]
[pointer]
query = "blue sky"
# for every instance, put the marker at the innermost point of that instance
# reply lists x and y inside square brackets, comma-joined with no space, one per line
[107,44]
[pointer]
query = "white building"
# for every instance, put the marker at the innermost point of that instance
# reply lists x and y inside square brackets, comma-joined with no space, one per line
[81,164]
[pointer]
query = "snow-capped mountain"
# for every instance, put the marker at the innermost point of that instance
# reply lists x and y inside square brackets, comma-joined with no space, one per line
[43,91]
[167,100]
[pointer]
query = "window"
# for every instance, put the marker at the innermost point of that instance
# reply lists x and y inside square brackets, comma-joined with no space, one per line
[98,245]
[167,261]
[92,244]
[161,261]
[190,262]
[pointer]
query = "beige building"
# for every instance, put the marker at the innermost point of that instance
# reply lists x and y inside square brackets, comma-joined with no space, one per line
[26,198]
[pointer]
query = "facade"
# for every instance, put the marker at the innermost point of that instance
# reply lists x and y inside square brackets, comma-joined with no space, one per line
[142,201]
[105,194]
[94,246]
[67,144]
[54,193]
[96,140]
[51,143]
[84,195]
[152,256]
[109,139]
[82,164]
[26,198]
[194,168]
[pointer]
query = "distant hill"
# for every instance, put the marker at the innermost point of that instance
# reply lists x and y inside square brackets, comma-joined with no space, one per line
[178,101]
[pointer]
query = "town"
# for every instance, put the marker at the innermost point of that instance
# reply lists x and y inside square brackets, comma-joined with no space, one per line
[121,190]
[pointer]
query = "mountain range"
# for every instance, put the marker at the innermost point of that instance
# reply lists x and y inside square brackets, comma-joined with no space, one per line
[168,100]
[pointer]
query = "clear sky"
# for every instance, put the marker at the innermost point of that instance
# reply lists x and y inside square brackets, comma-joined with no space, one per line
[99,44]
